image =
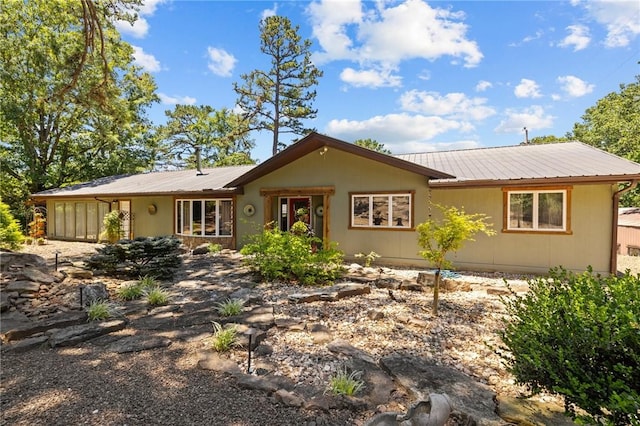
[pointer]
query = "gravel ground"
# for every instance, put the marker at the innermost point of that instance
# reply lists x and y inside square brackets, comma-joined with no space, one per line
[86,385]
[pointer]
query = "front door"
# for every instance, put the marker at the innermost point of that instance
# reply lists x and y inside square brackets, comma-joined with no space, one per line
[288,208]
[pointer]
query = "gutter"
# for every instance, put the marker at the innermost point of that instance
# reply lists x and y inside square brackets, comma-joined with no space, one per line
[613,264]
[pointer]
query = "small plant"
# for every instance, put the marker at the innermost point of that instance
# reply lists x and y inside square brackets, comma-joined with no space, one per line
[112,224]
[148,281]
[229,307]
[224,338]
[157,296]
[345,384]
[99,310]
[41,241]
[130,291]
[368,258]
[214,248]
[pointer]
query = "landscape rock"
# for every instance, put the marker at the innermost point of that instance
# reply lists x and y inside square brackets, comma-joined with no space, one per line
[330,294]
[530,412]
[210,360]
[78,273]
[94,293]
[33,274]
[23,286]
[470,399]
[25,327]
[73,335]
[139,343]
[10,260]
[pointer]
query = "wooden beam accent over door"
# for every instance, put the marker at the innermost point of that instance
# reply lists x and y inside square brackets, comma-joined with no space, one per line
[298,191]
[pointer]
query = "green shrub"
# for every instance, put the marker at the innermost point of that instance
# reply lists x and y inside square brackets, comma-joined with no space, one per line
[99,310]
[229,307]
[278,255]
[578,335]
[343,383]
[158,257]
[214,248]
[10,234]
[156,296]
[224,338]
[130,291]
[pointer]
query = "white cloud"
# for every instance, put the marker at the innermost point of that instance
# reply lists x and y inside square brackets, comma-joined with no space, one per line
[533,118]
[575,87]
[527,39]
[175,100]
[393,129]
[389,35]
[140,27]
[453,105]
[269,12]
[527,89]
[621,18]
[370,78]
[147,61]
[220,62]
[483,85]
[578,37]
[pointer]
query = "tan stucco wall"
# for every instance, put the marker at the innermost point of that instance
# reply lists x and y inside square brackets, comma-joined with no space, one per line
[347,173]
[589,244]
[156,225]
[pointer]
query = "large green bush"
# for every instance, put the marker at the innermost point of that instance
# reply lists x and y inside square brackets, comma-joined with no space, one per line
[10,234]
[278,255]
[157,257]
[578,335]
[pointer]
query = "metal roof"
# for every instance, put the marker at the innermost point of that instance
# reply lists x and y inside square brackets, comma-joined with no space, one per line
[569,162]
[566,161]
[160,183]
[629,216]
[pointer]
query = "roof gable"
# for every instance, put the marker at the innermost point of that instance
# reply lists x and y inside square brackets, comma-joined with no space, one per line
[315,141]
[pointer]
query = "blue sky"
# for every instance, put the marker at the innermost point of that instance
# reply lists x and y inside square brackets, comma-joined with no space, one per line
[414,75]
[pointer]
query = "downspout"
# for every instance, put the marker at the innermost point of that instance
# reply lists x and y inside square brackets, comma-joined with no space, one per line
[613,265]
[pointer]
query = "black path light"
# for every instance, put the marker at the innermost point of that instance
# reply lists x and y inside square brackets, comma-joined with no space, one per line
[250,333]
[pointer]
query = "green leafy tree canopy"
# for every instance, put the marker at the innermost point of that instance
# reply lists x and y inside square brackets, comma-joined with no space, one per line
[72,109]
[613,125]
[278,99]
[441,237]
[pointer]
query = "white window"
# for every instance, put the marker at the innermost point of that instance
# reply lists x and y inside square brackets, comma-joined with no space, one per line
[541,210]
[207,217]
[387,210]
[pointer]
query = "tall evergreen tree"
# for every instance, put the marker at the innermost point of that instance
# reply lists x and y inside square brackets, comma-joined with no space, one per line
[216,137]
[373,145]
[279,99]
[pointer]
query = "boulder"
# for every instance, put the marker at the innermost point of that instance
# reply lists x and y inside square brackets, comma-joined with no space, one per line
[73,335]
[472,401]
[94,293]
[10,260]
